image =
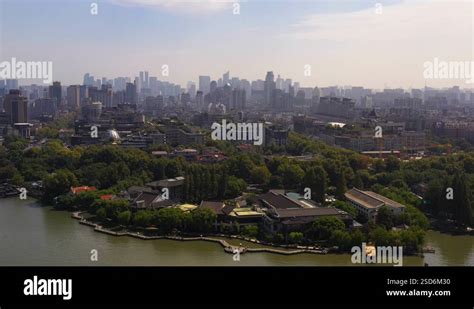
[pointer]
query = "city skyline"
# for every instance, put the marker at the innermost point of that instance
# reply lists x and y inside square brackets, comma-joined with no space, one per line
[205,38]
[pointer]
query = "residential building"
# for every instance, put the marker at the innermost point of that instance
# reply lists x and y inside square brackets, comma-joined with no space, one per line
[368,203]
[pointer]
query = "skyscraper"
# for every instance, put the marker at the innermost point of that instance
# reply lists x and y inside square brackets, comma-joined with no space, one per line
[200,100]
[279,83]
[142,78]
[16,107]
[205,84]
[73,96]
[55,92]
[213,86]
[225,78]
[145,82]
[238,99]
[131,95]
[88,80]
[103,95]
[269,86]
[191,88]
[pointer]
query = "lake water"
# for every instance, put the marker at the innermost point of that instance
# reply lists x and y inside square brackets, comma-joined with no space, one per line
[39,236]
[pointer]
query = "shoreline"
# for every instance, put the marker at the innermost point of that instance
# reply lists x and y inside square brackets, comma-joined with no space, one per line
[228,248]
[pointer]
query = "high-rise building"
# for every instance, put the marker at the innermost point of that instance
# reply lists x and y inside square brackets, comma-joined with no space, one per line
[145,82]
[315,99]
[74,96]
[269,86]
[225,78]
[200,100]
[279,83]
[205,84]
[83,94]
[142,78]
[238,99]
[16,107]
[287,84]
[245,85]
[131,95]
[235,83]
[296,85]
[191,88]
[88,80]
[103,95]
[213,86]
[55,92]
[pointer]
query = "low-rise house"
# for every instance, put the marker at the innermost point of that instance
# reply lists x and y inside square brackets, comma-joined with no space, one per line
[174,185]
[284,214]
[368,203]
[216,207]
[187,207]
[278,199]
[188,154]
[107,197]
[150,200]
[280,220]
[244,216]
[77,190]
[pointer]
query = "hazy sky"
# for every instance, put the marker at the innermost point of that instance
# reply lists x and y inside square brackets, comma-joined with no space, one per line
[345,42]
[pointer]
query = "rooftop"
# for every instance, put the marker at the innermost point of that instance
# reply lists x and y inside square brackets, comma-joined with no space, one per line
[216,207]
[278,200]
[307,212]
[370,199]
[76,190]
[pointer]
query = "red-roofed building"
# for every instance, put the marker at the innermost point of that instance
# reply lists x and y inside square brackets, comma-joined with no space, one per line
[76,190]
[106,197]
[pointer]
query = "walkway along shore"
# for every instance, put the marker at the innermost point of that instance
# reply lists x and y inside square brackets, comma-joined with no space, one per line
[227,247]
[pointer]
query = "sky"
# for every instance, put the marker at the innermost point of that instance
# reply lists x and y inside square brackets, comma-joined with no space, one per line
[374,44]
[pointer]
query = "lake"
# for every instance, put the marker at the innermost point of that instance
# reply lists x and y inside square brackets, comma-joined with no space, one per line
[32,235]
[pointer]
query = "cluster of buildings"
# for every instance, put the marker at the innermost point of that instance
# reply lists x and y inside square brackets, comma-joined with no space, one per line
[275,212]
[120,108]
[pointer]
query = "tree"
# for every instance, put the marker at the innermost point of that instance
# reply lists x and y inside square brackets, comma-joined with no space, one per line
[392,164]
[222,185]
[142,218]
[250,231]
[381,236]
[101,213]
[292,174]
[341,185]
[322,228]
[202,220]
[357,238]
[278,238]
[316,179]
[462,210]
[124,217]
[346,207]
[58,183]
[261,175]
[342,239]
[168,219]
[296,237]
[385,217]
[412,239]
[235,186]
